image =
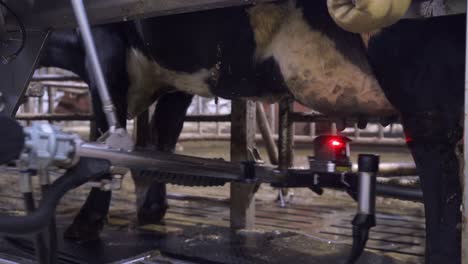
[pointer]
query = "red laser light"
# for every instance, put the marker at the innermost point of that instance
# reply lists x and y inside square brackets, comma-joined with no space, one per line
[335,143]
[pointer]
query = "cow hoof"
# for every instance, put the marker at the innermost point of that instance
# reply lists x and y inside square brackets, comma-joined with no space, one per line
[152,214]
[82,230]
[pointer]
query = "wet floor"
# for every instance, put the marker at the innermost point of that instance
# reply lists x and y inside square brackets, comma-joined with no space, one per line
[310,229]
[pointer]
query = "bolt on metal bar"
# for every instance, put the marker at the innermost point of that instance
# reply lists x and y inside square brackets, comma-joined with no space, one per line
[85,29]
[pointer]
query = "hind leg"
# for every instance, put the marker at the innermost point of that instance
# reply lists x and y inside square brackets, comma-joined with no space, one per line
[166,125]
[432,140]
[93,214]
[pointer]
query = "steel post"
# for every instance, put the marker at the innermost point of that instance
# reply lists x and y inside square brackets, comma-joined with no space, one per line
[242,142]
[85,29]
[267,135]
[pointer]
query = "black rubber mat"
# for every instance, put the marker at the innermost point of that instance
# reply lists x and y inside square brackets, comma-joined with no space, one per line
[113,246]
[201,245]
[220,245]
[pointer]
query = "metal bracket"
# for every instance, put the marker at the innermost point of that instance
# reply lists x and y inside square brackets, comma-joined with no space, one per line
[113,184]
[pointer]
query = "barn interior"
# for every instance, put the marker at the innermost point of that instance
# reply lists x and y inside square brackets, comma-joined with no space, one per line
[248,182]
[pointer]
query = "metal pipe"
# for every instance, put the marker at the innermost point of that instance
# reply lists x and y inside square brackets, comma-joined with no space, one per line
[170,163]
[285,136]
[54,117]
[365,217]
[85,29]
[299,139]
[402,193]
[394,169]
[267,135]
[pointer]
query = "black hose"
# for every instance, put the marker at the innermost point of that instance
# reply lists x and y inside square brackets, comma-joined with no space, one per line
[362,223]
[51,233]
[11,139]
[360,236]
[402,193]
[87,169]
[40,247]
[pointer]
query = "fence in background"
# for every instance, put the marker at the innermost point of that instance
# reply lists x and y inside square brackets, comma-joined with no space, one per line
[206,120]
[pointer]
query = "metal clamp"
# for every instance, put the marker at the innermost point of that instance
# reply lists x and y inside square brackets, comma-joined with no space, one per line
[47,146]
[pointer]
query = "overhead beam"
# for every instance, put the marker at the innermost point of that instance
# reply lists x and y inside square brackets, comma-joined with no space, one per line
[40,14]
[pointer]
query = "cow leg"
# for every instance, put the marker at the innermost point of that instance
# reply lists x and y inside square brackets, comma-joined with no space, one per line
[91,218]
[93,214]
[166,125]
[432,139]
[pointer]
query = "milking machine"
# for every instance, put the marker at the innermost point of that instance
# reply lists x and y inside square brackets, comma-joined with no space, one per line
[42,147]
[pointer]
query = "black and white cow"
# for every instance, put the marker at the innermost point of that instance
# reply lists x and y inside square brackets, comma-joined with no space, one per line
[296,49]
[264,51]
[65,50]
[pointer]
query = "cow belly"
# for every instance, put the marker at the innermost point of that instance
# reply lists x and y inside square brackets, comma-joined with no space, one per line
[148,80]
[322,78]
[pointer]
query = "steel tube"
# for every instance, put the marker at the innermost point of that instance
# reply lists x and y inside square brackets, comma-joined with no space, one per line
[285,135]
[402,193]
[267,135]
[385,142]
[107,105]
[163,161]
[54,117]
[367,173]
[366,193]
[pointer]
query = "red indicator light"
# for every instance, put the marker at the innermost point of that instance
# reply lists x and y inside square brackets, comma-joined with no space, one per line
[336,143]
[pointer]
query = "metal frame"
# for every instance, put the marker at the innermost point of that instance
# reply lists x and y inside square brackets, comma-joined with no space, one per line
[59,14]
[464,178]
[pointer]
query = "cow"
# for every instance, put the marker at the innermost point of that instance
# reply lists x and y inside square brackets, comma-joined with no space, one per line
[265,51]
[299,49]
[65,50]
[420,65]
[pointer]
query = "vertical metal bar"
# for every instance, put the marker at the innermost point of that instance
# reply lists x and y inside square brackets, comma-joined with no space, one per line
[465,160]
[40,105]
[50,101]
[312,133]
[334,130]
[357,133]
[199,110]
[381,132]
[285,142]
[285,136]
[243,126]
[267,135]
[107,105]
[218,128]
[273,117]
